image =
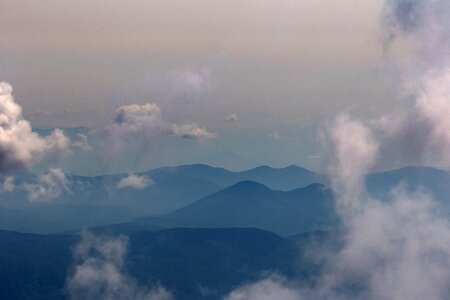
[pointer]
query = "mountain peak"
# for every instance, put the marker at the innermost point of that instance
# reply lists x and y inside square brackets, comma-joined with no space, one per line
[248,185]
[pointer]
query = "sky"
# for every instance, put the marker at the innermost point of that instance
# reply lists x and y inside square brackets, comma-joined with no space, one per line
[262,76]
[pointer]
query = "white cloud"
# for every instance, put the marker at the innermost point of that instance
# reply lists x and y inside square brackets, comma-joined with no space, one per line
[135,182]
[100,272]
[50,185]
[82,142]
[267,289]
[191,131]
[20,147]
[133,131]
[231,118]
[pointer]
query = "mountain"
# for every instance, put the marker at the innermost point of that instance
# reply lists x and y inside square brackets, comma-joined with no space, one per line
[433,181]
[53,218]
[99,201]
[284,179]
[191,263]
[172,188]
[251,204]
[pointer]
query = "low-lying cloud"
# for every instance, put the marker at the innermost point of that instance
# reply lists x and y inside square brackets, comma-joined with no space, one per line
[191,131]
[134,181]
[267,289]
[50,185]
[100,272]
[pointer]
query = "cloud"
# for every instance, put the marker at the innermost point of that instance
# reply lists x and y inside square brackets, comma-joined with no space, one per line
[50,185]
[191,79]
[231,118]
[100,272]
[20,147]
[396,247]
[135,182]
[133,131]
[82,142]
[266,289]
[8,184]
[191,131]
[133,120]
[353,151]
[275,135]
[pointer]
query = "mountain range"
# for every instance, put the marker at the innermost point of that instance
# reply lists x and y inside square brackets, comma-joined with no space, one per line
[287,201]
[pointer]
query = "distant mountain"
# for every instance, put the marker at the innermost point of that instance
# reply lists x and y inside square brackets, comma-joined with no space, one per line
[52,218]
[97,201]
[433,181]
[228,160]
[284,179]
[251,204]
[191,263]
[172,188]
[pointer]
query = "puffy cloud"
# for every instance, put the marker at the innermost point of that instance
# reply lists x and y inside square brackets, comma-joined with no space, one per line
[135,182]
[100,272]
[191,131]
[138,123]
[231,118]
[133,117]
[50,185]
[20,147]
[134,129]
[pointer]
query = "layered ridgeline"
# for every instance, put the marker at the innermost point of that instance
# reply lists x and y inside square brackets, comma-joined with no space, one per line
[286,201]
[100,200]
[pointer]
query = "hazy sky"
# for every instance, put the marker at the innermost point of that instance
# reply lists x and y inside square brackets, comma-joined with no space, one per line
[279,68]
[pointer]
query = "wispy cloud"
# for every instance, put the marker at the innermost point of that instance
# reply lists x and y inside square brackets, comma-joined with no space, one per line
[50,185]
[100,273]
